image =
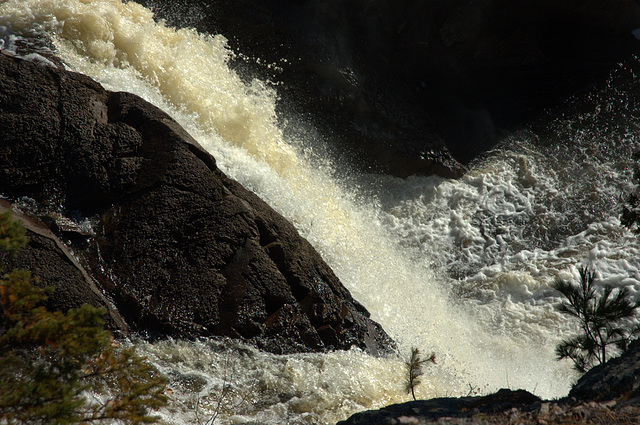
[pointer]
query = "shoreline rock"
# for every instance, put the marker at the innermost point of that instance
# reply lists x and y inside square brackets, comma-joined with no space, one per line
[607,394]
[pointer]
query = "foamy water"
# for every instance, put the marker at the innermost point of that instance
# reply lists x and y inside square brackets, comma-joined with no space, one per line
[461,268]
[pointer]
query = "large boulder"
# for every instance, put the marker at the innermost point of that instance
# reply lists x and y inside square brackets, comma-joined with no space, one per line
[419,86]
[180,249]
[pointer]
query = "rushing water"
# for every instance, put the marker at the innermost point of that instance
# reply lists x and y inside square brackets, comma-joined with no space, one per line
[458,267]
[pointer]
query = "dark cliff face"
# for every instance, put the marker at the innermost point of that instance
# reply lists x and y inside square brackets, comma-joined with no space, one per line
[420,87]
[179,248]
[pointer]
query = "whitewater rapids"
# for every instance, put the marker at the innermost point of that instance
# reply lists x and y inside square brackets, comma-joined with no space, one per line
[458,267]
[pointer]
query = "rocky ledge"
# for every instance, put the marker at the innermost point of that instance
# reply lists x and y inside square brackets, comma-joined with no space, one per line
[163,237]
[607,394]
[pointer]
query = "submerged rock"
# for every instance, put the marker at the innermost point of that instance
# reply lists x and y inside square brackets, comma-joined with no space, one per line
[179,248]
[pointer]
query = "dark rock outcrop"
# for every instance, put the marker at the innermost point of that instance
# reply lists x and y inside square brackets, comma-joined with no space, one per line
[179,248]
[607,394]
[420,86]
[618,379]
[438,408]
[48,258]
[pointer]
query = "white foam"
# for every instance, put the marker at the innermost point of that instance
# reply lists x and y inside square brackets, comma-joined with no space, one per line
[492,325]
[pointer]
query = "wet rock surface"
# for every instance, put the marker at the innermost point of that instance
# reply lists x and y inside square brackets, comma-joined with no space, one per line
[49,259]
[418,87]
[607,394]
[180,249]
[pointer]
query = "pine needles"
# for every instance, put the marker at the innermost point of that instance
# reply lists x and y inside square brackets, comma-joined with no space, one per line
[415,370]
[602,320]
[51,361]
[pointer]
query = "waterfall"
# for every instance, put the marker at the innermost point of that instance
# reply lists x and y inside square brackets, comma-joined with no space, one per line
[458,267]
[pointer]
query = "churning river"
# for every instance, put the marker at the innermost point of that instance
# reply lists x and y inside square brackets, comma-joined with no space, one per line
[458,267]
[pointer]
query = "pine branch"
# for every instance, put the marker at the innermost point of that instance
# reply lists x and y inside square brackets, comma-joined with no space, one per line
[415,370]
[600,318]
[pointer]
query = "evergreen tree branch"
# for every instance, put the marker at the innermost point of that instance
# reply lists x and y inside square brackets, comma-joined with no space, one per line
[601,319]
